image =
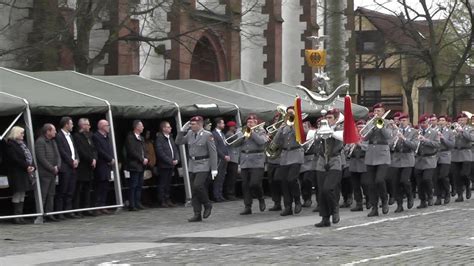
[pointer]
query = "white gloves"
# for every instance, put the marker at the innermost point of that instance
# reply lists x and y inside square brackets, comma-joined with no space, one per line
[213,174]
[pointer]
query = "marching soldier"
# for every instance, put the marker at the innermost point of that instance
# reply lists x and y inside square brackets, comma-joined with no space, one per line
[329,174]
[403,161]
[292,157]
[461,157]
[202,160]
[377,159]
[426,161]
[252,163]
[441,178]
[358,170]
[392,171]
[275,184]
[308,168]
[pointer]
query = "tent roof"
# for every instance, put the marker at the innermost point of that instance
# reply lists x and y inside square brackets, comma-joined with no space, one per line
[124,103]
[264,108]
[10,105]
[265,92]
[47,99]
[358,111]
[190,103]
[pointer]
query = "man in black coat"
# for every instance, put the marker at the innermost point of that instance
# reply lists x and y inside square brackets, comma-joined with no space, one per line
[167,157]
[223,156]
[105,161]
[85,170]
[67,171]
[135,163]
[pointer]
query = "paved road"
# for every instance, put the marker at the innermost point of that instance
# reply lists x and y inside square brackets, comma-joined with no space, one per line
[443,234]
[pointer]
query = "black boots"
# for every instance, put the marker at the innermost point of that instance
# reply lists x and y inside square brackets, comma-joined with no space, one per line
[373,212]
[261,205]
[287,211]
[18,210]
[195,218]
[384,207]
[307,203]
[324,222]
[447,199]
[422,205]
[336,218]
[276,207]
[297,207]
[468,192]
[247,211]
[460,198]
[410,202]
[438,201]
[399,207]
[358,207]
[207,211]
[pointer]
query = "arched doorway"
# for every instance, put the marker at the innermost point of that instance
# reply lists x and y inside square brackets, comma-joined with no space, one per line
[207,62]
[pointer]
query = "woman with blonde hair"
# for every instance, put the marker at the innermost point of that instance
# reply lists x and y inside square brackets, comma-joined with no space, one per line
[20,169]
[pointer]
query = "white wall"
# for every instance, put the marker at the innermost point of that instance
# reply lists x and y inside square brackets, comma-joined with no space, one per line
[292,61]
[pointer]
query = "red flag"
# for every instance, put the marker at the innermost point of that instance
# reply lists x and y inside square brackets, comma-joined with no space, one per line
[299,131]
[351,134]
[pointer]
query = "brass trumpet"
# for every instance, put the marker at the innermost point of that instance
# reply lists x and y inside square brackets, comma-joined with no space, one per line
[273,128]
[245,133]
[375,122]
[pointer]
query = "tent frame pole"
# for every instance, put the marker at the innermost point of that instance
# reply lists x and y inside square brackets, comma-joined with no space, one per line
[117,182]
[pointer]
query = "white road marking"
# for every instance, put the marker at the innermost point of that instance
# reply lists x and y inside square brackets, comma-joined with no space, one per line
[392,219]
[388,256]
[472,238]
[279,237]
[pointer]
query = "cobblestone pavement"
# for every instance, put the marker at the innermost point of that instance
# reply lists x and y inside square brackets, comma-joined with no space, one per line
[436,235]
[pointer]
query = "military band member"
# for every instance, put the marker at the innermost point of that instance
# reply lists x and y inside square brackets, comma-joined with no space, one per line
[403,161]
[441,177]
[202,161]
[433,121]
[426,161]
[232,165]
[329,175]
[358,171]
[461,156]
[252,163]
[308,168]
[275,184]
[292,157]
[392,171]
[377,159]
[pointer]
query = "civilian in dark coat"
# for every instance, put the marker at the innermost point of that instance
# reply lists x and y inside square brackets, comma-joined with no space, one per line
[87,164]
[136,162]
[105,161]
[223,157]
[49,162]
[20,169]
[68,170]
[167,156]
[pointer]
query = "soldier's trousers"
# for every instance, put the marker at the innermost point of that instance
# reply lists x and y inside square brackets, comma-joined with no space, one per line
[424,182]
[306,181]
[377,187]
[401,183]
[390,182]
[461,171]
[199,184]
[328,183]
[346,184]
[275,183]
[360,186]
[441,181]
[288,174]
[229,182]
[251,184]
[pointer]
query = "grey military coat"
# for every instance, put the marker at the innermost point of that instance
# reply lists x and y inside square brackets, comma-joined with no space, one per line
[252,150]
[427,152]
[378,151]
[292,152]
[357,159]
[462,147]
[234,152]
[202,153]
[404,151]
[447,144]
[334,160]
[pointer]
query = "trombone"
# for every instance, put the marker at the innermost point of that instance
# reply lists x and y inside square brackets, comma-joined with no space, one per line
[273,128]
[240,135]
[375,122]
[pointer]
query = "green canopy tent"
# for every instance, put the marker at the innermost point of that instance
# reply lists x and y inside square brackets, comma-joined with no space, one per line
[247,104]
[357,110]
[44,98]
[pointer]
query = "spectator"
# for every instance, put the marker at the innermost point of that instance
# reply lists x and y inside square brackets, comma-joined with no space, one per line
[20,169]
[232,165]
[105,161]
[67,171]
[223,157]
[136,162]
[168,157]
[49,162]
[150,152]
[85,170]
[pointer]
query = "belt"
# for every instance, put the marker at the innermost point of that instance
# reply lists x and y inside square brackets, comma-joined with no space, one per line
[428,155]
[292,148]
[197,158]
[464,148]
[256,151]
[378,143]
[306,154]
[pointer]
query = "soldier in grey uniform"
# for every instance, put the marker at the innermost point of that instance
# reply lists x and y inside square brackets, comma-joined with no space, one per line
[358,170]
[461,157]
[252,163]
[275,184]
[392,171]
[441,177]
[403,161]
[232,165]
[426,161]
[329,175]
[292,157]
[377,159]
[308,169]
[202,160]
